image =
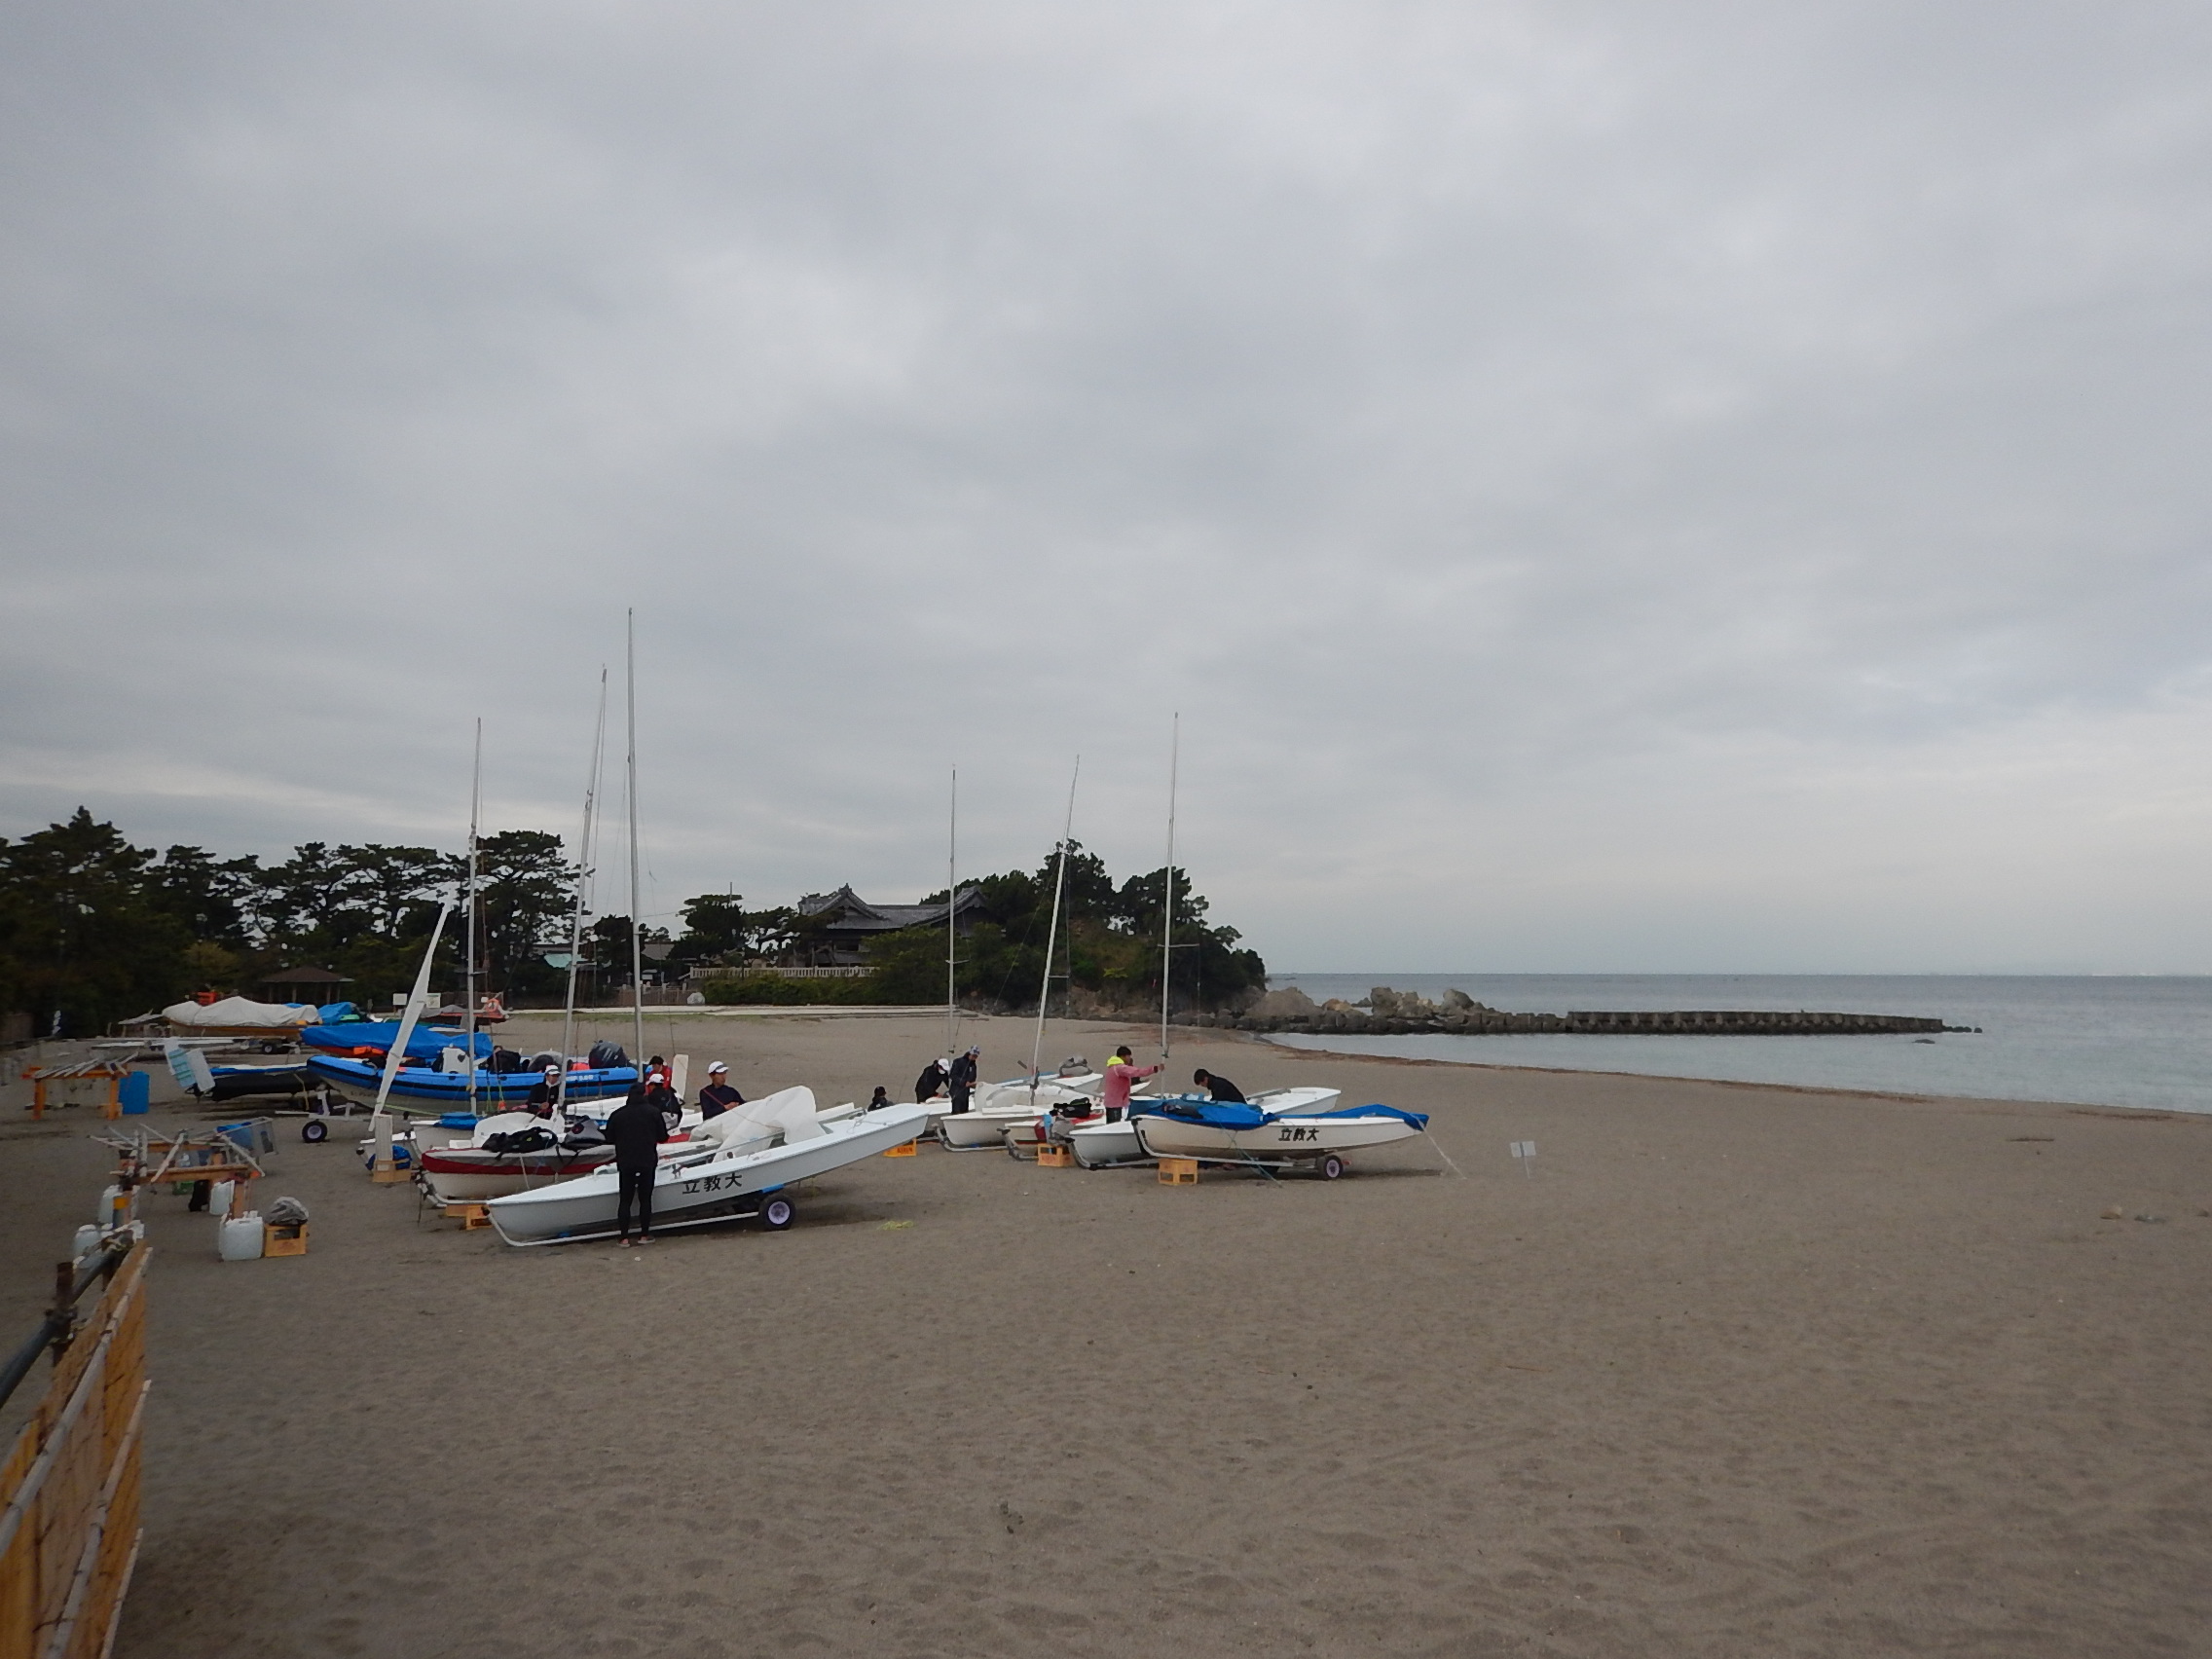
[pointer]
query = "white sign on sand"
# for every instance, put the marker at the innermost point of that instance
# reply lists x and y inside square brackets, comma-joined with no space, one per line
[1525,1151]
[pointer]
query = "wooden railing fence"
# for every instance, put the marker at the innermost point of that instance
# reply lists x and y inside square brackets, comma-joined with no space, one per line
[70,1532]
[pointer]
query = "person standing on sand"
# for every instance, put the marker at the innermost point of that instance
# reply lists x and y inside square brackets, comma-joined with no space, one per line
[718,1096]
[636,1128]
[1223,1092]
[930,1082]
[1121,1071]
[961,1082]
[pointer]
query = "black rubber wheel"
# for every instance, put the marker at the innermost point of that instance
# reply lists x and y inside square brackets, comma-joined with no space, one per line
[777,1214]
[315,1129]
[1332,1167]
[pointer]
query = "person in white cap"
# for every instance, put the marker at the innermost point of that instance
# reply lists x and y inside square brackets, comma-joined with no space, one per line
[719,1096]
[545,1092]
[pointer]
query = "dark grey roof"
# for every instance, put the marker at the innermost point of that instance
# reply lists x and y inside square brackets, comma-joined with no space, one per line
[858,915]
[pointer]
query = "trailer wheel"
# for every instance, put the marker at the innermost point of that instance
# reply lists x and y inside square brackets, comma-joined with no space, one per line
[1332,1167]
[777,1214]
[315,1129]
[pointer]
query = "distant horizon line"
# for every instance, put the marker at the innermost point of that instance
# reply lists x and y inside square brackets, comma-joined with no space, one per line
[1381,974]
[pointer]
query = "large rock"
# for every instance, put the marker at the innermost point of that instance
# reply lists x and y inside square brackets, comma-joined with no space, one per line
[1289,1002]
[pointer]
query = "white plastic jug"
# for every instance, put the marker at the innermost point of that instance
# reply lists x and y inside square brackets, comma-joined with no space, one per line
[115,1208]
[241,1239]
[219,1197]
[88,1240]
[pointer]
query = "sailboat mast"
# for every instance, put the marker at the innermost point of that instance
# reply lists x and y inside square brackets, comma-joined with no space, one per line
[637,922]
[468,972]
[1168,915]
[952,919]
[584,871]
[1052,934]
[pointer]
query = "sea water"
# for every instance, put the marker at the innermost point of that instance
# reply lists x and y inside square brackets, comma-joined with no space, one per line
[2101,1041]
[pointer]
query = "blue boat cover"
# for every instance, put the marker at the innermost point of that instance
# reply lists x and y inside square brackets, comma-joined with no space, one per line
[422,1043]
[1198,1109]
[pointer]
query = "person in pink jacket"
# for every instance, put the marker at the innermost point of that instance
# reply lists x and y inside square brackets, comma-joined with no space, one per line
[1121,1071]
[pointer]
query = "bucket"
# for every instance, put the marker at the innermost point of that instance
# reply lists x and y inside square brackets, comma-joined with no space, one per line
[242,1238]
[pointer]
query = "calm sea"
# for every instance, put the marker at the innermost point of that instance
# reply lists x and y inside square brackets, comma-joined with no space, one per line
[2109,1042]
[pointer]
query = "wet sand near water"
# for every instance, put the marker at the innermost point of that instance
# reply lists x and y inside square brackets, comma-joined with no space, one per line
[1734,1371]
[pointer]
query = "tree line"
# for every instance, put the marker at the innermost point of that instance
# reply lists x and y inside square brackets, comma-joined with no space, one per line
[93,930]
[1109,947]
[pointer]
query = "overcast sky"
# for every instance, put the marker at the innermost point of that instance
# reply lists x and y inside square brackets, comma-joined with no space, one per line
[1607,487]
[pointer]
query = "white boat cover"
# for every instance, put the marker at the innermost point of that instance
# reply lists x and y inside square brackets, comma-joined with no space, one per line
[790,1110]
[235,1012]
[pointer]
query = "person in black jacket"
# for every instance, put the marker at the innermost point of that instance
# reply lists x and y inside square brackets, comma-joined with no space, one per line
[718,1096]
[545,1092]
[961,1082]
[1220,1088]
[637,1129]
[930,1082]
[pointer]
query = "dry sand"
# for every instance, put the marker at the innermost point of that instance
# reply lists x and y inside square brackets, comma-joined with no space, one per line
[1738,1371]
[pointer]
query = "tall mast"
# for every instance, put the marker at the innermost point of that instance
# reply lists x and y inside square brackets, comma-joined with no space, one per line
[584,871]
[951,919]
[1052,934]
[1168,915]
[468,974]
[637,922]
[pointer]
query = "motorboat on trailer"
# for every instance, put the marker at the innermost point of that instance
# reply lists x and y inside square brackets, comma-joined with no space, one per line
[738,1179]
[450,1087]
[1196,1128]
[1102,1145]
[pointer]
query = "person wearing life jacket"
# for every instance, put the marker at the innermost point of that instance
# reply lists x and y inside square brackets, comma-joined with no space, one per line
[1121,1071]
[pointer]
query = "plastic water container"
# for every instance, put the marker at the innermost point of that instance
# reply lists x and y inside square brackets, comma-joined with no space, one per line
[137,1092]
[88,1240]
[219,1197]
[115,1208]
[241,1238]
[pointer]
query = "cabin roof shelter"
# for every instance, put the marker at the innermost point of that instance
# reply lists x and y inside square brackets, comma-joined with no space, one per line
[849,921]
[322,982]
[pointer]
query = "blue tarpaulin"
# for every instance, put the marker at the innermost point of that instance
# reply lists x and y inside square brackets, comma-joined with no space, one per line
[1198,1109]
[423,1043]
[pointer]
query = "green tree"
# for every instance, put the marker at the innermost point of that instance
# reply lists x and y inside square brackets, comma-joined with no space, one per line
[83,932]
[527,890]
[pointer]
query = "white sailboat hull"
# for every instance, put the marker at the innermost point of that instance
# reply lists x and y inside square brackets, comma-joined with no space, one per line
[1276,1142]
[708,1187]
[1101,1146]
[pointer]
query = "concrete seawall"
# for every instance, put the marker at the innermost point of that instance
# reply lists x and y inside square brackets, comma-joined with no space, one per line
[1394,1013]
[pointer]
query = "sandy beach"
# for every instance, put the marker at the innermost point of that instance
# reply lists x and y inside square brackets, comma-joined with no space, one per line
[1734,1371]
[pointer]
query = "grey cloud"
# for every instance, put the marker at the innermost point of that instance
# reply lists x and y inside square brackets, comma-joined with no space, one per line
[1540,450]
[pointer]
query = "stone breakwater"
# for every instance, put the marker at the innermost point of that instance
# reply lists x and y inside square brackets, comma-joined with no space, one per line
[1397,1014]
